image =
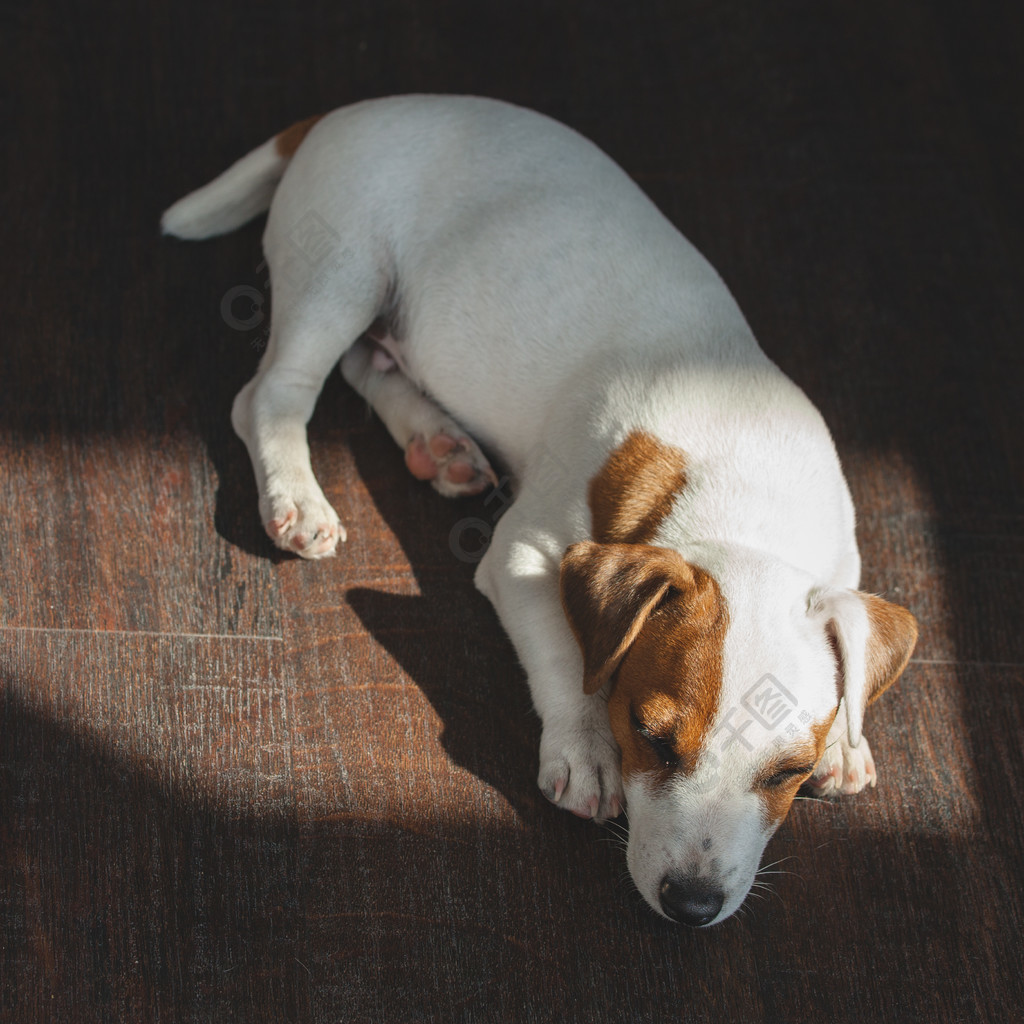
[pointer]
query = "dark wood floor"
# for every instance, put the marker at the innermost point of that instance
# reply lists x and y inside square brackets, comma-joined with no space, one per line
[236,786]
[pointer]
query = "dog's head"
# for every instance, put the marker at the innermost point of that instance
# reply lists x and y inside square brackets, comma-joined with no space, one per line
[722,690]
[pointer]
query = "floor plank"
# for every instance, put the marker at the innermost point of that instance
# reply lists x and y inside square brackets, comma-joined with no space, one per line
[148,826]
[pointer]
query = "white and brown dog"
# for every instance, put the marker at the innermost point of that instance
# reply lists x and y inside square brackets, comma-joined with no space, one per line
[678,572]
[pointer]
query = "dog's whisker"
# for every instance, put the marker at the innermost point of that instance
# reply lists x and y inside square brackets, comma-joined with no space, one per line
[617,829]
[745,911]
[775,863]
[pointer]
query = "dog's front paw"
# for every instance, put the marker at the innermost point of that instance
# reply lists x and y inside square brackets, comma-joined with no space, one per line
[452,462]
[307,525]
[580,770]
[843,769]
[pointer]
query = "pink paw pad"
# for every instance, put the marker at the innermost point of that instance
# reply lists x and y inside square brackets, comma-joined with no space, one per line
[323,542]
[278,527]
[442,445]
[825,780]
[419,459]
[460,473]
[454,460]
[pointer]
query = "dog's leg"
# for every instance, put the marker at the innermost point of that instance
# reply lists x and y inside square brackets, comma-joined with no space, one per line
[843,769]
[580,761]
[270,415]
[436,447]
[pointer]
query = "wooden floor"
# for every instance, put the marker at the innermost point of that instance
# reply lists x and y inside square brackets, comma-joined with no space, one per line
[237,786]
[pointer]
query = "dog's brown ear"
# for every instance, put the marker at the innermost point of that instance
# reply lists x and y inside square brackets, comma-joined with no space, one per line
[608,591]
[873,641]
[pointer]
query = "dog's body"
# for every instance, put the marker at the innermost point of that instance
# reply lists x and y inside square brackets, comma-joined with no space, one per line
[682,539]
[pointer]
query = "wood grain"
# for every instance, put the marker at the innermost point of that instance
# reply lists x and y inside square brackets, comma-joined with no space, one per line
[238,786]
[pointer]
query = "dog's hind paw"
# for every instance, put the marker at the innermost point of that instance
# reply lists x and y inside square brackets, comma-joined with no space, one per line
[452,462]
[843,770]
[580,772]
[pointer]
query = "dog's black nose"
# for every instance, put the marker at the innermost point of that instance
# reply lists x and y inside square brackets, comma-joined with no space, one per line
[692,901]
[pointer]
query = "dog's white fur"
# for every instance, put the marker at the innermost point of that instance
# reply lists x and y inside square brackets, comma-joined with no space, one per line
[540,304]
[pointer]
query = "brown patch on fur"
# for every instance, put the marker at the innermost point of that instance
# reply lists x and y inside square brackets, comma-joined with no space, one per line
[670,681]
[288,141]
[633,493]
[820,733]
[776,800]
[890,644]
[644,612]
[608,591]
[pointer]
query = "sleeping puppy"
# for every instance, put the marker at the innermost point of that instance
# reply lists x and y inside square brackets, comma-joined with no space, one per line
[679,571]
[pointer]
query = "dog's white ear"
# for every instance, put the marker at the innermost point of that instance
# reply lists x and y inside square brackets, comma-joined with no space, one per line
[608,592]
[872,641]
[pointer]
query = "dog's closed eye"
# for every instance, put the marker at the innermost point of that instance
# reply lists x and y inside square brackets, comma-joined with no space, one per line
[779,776]
[661,744]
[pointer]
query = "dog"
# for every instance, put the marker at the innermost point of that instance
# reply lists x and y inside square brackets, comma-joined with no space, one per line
[678,572]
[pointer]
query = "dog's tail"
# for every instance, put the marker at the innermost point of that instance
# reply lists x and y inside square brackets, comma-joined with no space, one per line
[240,193]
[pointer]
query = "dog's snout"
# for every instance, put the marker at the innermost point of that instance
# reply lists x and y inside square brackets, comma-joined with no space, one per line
[692,901]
